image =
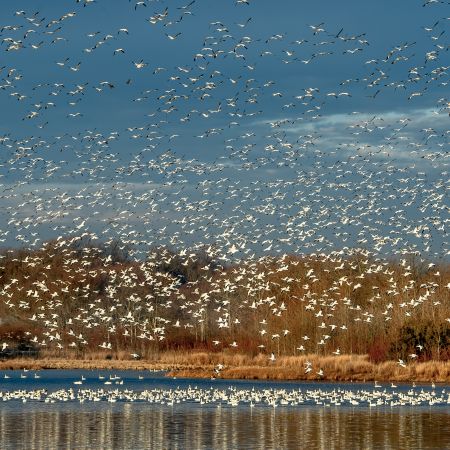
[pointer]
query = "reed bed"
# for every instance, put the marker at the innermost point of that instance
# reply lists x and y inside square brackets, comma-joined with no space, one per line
[242,366]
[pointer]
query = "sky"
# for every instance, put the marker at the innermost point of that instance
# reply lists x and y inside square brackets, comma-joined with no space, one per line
[313,125]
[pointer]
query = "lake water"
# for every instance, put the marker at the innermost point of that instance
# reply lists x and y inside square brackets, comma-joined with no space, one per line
[70,424]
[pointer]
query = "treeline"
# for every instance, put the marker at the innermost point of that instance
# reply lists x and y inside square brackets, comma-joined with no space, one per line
[72,298]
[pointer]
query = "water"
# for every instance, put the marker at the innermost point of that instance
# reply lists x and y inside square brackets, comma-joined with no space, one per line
[141,425]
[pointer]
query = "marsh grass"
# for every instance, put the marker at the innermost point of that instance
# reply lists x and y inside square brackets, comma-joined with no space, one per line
[242,366]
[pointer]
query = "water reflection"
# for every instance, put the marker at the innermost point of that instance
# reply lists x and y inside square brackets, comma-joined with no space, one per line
[139,426]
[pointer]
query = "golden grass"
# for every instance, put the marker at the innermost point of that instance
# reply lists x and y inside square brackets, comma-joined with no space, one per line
[241,366]
[87,364]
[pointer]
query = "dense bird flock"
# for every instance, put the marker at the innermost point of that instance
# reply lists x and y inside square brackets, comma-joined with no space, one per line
[233,397]
[166,184]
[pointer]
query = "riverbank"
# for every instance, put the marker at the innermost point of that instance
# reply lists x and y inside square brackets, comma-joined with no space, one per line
[238,366]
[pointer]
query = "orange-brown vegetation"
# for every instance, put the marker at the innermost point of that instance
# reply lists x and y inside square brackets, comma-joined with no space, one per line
[79,300]
[241,366]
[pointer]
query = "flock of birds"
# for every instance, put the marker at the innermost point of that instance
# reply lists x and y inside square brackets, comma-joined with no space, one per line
[217,151]
[233,396]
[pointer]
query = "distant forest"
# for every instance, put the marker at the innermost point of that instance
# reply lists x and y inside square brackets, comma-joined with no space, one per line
[72,298]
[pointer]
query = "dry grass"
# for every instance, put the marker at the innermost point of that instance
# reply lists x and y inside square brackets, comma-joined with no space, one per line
[241,366]
[87,364]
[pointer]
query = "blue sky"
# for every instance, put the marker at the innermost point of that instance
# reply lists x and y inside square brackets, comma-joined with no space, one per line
[261,93]
[384,25]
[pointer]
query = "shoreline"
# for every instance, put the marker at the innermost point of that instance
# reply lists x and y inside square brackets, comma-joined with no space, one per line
[345,368]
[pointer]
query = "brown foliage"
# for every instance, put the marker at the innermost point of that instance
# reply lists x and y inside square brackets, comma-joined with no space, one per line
[363,306]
